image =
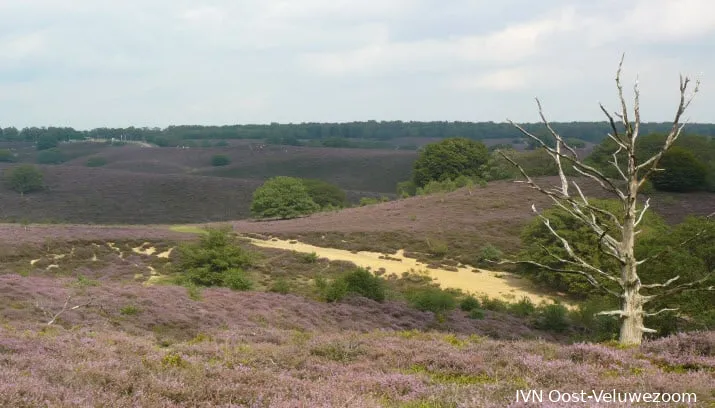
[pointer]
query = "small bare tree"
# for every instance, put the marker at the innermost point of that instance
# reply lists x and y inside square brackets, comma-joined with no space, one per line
[619,245]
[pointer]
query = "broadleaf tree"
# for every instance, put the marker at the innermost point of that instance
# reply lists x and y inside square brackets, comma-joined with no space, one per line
[616,243]
[282,197]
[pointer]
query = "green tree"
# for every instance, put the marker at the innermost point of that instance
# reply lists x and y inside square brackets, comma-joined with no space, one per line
[682,171]
[46,141]
[24,178]
[282,197]
[450,159]
[325,194]
[543,247]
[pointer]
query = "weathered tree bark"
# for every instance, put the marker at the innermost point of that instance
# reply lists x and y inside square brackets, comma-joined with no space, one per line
[621,245]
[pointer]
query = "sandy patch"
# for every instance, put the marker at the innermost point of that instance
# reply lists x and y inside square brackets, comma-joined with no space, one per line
[165,254]
[494,284]
[144,251]
[34,261]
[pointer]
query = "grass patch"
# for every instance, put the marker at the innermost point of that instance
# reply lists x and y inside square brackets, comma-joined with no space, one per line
[451,378]
[188,229]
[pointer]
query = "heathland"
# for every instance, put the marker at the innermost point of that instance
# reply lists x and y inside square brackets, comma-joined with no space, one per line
[103,295]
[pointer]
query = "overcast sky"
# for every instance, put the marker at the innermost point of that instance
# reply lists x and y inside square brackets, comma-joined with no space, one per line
[93,63]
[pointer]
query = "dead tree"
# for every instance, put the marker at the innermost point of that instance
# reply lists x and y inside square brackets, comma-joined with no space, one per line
[633,172]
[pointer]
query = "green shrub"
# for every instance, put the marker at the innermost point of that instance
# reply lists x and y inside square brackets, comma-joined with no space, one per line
[236,279]
[469,303]
[281,286]
[495,305]
[96,161]
[50,156]
[364,283]
[215,260]
[598,327]
[309,258]
[432,300]
[220,160]
[552,317]
[359,281]
[372,200]
[437,247]
[24,178]
[406,189]
[6,156]
[488,254]
[324,194]
[524,307]
[334,291]
[477,314]
[129,310]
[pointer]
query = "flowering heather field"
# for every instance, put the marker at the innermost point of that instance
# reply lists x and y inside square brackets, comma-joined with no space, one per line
[157,347]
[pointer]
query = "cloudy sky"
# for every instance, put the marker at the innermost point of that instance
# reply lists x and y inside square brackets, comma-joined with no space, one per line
[92,63]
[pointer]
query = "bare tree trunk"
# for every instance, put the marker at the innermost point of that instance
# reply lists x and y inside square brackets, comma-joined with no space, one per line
[632,304]
[620,248]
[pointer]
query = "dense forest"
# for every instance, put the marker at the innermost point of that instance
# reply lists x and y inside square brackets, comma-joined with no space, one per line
[332,134]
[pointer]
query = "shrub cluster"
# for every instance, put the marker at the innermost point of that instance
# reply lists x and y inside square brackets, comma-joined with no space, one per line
[360,281]
[216,260]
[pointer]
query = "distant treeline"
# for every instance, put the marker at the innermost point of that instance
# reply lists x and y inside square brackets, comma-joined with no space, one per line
[338,133]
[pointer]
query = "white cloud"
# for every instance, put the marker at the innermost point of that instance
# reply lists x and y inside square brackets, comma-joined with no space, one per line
[159,62]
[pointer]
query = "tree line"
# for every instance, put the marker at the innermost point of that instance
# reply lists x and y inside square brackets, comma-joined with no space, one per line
[335,134]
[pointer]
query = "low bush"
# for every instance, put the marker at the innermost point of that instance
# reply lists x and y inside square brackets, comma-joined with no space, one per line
[552,317]
[50,156]
[495,305]
[432,300]
[523,308]
[96,161]
[220,160]
[488,254]
[216,260]
[6,156]
[236,279]
[359,281]
[281,286]
[477,314]
[469,303]
[372,200]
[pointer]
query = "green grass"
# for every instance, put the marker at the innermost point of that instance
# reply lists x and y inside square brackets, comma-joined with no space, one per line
[189,229]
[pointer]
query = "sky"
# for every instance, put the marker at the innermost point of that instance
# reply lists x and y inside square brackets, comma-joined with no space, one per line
[109,63]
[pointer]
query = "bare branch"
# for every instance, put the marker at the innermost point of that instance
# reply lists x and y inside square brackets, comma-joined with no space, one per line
[619,313]
[65,307]
[624,108]
[587,275]
[661,285]
[661,311]
[618,166]
[686,287]
[652,163]
[615,136]
[642,213]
